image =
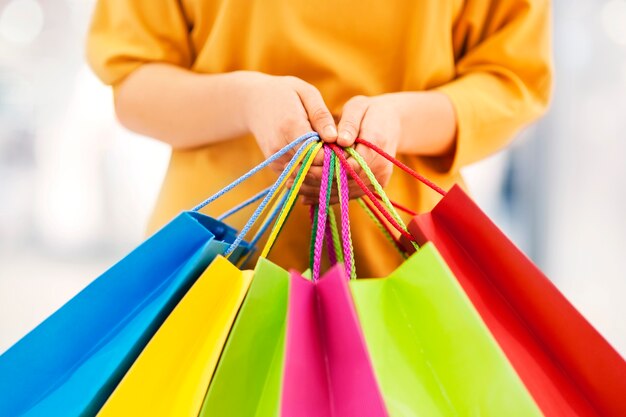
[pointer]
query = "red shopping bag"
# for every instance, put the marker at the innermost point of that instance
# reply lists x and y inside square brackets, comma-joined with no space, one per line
[568,367]
[566,364]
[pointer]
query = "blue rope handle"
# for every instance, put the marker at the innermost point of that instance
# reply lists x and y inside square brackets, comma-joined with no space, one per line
[304,138]
[244,231]
[263,229]
[243,205]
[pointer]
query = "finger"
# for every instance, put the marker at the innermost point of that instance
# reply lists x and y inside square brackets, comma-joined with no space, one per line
[350,123]
[309,191]
[308,201]
[334,200]
[318,161]
[319,116]
[314,176]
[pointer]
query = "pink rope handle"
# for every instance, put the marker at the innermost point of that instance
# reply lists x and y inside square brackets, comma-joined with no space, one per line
[328,236]
[330,247]
[322,214]
[342,158]
[402,166]
[346,238]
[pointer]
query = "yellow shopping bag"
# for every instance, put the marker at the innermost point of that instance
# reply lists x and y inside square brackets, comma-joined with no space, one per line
[171,376]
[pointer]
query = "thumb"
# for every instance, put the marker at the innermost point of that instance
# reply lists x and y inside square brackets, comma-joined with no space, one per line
[319,116]
[350,124]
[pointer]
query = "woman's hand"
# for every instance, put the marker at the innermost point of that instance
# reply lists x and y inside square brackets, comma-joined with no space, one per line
[279,109]
[375,119]
[413,123]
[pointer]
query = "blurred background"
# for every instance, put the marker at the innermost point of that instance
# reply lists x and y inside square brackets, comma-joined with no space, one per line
[76,188]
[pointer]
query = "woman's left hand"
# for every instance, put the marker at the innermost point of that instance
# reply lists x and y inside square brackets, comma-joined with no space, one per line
[375,119]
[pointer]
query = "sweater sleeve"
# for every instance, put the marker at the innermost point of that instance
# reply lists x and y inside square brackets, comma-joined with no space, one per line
[503,74]
[124,34]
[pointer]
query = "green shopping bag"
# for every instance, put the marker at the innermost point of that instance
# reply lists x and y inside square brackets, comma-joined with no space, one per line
[247,381]
[432,354]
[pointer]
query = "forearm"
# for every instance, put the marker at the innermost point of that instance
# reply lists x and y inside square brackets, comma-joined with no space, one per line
[427,123]
[183,108]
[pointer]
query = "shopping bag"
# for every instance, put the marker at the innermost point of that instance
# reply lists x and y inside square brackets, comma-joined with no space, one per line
[568,367]
[566,364]
[327,367]
[70,363]
[172,373]
[432,354]
[247,380]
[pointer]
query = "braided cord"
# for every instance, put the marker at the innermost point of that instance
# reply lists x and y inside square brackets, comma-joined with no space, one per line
[304,139]
[334,235]
[243,205]
[368,192]
[269,218]
[382,225]
[279,183]
[315,209]
[402,166]
[344,204]
[370,175]
[324,201]
[293,193]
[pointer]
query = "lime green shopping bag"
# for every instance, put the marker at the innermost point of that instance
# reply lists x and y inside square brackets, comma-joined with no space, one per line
[247,381]
[432,354]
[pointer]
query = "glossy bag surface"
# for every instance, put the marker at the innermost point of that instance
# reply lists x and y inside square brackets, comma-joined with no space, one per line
[432,354]
[247,380]
[565,363]
[70,363]
[327,369]
[171,375]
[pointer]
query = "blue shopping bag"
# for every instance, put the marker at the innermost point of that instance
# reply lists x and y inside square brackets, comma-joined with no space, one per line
[70,363]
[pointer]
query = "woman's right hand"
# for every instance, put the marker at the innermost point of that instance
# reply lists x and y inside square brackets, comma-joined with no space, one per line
[279,109]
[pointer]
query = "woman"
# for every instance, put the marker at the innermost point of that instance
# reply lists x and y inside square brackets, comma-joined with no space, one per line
[226,83]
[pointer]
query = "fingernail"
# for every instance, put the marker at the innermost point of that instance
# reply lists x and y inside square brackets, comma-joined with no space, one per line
[344,135]
[330,131]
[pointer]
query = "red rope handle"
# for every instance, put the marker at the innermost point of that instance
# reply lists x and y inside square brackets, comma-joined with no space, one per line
[342,158]
[399,206]
[402,166]
[383,223]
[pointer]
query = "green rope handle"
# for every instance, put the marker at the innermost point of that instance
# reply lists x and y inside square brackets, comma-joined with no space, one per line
[334,231]
[379,189]
[381,227]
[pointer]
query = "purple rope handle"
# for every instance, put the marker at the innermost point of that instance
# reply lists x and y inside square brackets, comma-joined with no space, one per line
[321,219]
[346,237]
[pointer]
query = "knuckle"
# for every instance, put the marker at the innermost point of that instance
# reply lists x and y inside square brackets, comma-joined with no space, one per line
[320,115]
[350,125]
[356,102]
[291,79]
[358,99]
[315,176]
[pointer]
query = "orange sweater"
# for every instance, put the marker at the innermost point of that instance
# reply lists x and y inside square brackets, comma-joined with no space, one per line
[491,57]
